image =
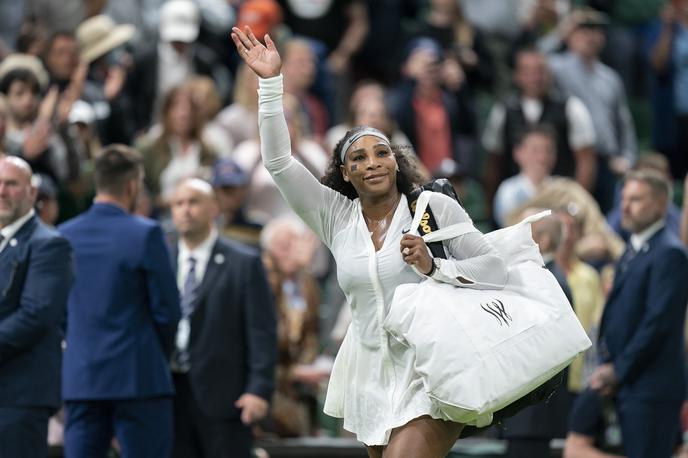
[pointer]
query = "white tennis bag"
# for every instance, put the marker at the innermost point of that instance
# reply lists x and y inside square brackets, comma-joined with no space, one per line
[478,351]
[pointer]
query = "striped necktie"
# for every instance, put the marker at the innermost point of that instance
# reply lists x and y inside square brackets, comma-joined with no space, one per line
[180,357]
[190,289]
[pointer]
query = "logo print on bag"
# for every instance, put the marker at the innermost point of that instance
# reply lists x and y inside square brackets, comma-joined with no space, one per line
[496,309]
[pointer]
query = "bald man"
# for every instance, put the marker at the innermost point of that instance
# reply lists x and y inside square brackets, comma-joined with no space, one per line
[223,363]
[35,274]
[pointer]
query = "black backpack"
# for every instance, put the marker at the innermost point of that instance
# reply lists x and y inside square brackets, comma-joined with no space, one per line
[542,393]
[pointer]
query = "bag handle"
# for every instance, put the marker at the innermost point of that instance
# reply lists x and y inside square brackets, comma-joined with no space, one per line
[449,232]
[456,230]
[444,233]
[421,205]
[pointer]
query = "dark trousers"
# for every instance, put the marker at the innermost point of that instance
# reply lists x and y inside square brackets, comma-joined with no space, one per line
[648,429]
[143,428]
[528,448]
[198,436]
[24,432]
[678,159]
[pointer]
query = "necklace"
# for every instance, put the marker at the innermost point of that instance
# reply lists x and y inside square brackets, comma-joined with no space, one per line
[377,224]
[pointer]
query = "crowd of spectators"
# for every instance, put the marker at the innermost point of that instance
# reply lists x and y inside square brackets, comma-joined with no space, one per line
[522,104]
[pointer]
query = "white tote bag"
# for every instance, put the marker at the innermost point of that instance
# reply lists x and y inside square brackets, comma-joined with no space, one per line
[478,351]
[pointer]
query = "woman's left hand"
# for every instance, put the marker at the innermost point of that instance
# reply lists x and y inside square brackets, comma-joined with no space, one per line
[414,252]
[264,60]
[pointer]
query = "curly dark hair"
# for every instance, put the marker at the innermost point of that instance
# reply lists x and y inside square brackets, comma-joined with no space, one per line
[408,176]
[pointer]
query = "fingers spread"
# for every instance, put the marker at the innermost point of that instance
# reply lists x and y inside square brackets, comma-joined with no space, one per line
[269,43]
[242,37]
[237,42]
[251,36]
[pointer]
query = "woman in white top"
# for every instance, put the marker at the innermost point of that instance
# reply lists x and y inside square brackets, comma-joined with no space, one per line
[361,214]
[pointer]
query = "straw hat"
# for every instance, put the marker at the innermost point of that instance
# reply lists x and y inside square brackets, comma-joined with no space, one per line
[99,35]
[32,63]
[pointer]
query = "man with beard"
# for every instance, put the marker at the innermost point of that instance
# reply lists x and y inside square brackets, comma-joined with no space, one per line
[641,333]
[122,315]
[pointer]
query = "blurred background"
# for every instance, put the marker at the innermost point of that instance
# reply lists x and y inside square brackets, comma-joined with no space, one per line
[519,103]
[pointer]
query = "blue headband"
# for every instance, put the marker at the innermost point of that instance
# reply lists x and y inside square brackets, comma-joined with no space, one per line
[363,132]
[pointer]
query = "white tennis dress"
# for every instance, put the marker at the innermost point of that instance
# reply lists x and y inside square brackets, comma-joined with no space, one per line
[373,385]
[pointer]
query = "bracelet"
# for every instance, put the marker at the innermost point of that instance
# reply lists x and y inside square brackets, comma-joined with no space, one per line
[432,269]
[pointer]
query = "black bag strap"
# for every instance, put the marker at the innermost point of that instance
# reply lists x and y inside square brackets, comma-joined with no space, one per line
[428,223]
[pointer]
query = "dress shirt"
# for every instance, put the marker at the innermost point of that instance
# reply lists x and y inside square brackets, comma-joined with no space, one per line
[201,254]
[8,231]
[639,240]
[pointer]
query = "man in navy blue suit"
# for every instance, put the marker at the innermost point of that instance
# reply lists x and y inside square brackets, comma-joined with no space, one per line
[35,274]
[122,315]
[641,334]
[226,343]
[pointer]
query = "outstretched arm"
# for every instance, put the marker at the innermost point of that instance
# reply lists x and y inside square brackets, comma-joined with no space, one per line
[318,205]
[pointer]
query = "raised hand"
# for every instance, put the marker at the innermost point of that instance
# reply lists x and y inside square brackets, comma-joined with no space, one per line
[71,93]
[48,104]
[117,76]
[264,60]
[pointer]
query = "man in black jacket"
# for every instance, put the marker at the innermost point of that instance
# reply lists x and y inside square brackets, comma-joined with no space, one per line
[226,346]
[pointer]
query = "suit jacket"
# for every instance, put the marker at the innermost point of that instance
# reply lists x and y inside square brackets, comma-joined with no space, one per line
[35,274]
[123,308]
[233,337]
[641,331]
